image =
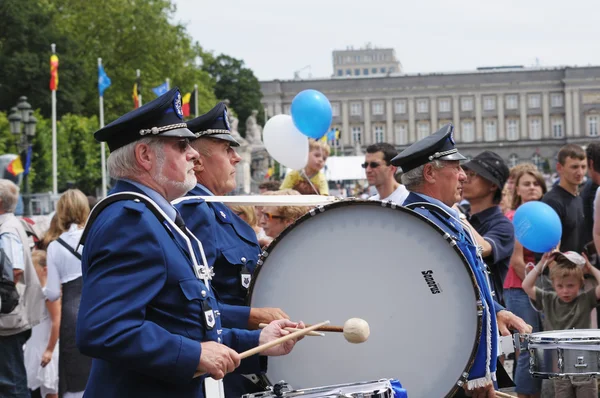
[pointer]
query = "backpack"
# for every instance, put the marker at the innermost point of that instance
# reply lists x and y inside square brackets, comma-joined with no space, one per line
[9,296]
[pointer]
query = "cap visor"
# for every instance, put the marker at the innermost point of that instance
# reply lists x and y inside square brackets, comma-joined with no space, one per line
[453,156]
[226,137]
[179,133]
[482,172]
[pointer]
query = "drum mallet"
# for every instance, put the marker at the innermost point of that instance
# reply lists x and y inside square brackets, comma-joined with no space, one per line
[257,350]
[356,330]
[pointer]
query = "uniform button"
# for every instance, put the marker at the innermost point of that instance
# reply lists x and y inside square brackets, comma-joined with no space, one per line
[218,339]
[243,260]
[203,293]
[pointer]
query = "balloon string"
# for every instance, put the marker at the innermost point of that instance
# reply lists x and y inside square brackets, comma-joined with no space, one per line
[309,181]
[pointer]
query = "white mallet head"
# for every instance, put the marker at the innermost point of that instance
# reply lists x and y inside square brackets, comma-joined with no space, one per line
[356,330]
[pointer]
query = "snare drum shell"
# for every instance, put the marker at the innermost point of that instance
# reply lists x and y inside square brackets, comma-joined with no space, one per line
[368,389]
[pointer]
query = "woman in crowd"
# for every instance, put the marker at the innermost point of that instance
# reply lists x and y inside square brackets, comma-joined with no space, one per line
[529,186]
[274,219]
[41,350]
[64,278]
[248,214]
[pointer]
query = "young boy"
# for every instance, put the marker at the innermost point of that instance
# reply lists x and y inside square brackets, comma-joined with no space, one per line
[566,307]
[317,156]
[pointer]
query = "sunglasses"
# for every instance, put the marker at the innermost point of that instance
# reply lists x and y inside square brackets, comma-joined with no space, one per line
[182,144]
[372,165]
[271,216]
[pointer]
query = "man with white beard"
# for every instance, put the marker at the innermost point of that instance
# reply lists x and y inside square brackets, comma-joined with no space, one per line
[148,314]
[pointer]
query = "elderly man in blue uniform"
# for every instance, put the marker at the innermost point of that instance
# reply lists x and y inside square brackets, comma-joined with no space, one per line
[148,315]
[230,244]
[434,177]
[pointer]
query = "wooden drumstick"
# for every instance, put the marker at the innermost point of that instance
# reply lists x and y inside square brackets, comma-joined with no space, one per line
[283,339]
[332,328]
[503,395]
[264,325]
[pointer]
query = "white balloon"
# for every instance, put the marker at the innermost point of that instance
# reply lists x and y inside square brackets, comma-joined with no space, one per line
[285,143]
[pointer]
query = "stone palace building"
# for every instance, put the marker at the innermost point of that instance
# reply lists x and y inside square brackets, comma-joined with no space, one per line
[523,114]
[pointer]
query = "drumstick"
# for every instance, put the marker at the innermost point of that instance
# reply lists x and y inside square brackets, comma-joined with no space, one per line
[264,325]
[261,348]
[503,395]
[332,328]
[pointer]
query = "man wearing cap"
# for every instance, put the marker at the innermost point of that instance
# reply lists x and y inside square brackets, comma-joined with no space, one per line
[230,244]
[434,177]
[148,315]
[493,232]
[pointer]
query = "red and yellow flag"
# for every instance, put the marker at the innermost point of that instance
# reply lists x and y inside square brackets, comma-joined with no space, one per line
[15,167]
[185,104]
[53,72]
[136,102]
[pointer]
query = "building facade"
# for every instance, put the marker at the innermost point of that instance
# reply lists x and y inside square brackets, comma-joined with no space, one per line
[523,114]
[368,61]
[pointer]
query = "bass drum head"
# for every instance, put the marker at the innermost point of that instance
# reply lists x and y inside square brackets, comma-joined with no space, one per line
[388,266]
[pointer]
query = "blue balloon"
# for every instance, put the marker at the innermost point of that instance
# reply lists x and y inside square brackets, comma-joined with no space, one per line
[311,113]
[537,227]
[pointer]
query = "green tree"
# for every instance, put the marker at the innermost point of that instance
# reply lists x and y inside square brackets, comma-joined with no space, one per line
[235,82]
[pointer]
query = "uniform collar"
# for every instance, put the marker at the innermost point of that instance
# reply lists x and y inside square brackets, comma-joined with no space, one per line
[156,198]
[439,203]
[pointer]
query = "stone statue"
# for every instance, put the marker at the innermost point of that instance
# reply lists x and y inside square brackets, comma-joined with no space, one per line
[253,130]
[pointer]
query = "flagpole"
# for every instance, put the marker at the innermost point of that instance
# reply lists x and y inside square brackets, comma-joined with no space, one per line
[195,100]
[168,86]
[54,149]
[102,147]
[137,72]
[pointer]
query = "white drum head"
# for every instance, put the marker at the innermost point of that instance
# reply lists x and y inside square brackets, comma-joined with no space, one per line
[390,267]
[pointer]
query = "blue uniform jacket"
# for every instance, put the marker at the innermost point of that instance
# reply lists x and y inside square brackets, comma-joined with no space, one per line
[231,247]
[484,366]
[142,312]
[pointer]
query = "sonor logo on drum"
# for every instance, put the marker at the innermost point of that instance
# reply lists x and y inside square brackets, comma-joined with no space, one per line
[433,286]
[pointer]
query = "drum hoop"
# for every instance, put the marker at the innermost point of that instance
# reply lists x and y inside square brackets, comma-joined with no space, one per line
[363,202]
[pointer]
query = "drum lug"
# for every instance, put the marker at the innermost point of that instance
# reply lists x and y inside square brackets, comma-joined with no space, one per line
[463,379]
[561,361]
[479,308]
[580,363]
[521,341]
[314,210]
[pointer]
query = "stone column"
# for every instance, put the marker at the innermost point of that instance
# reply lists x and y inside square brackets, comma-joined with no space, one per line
[569,112]
[545,115]
[434,117]
[523,106]
[412,133]
[478,122]
[456,118]
[389,117]
[346,133]
[500,108]
[367,133]
[576,116]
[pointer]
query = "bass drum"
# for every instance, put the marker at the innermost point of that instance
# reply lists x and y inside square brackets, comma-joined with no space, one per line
[389,266]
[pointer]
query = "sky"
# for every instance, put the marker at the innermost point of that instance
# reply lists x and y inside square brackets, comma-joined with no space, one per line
[275,38]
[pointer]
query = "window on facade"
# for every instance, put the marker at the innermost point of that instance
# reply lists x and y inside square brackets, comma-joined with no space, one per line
[365,71]
[489,103]
[534,101]
[400,106]
[537,160]
[444,105]
[401,133]
[379,133]
[287,109]
[378,108]
[512,129]
[335,109]
[535,128]
[556,100]
[356,134]
[348,72]
[355,109]
[336,142]
[490,130]
[382,70]
[442,123]
[357,72]
[357,58]
[373,70]
[340,72]
[513,160]
[422,130]
[557,128]
[422,105]
[592,125]
[468,131]
[466,103]
[512,102]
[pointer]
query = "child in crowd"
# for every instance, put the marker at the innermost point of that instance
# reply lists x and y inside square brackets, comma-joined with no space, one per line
[566,307]
[41,350]
[317,157]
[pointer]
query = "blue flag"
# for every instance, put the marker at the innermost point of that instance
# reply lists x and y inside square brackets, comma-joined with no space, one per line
[28,160]
[160,90]
[103,80]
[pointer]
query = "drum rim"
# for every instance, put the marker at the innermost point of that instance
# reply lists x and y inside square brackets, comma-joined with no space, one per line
[387,204]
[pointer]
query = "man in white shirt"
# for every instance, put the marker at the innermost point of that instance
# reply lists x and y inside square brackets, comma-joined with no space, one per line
[380,173]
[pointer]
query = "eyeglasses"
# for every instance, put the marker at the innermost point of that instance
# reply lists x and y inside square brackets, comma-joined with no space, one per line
[271,216]
[182,144]
[372,165]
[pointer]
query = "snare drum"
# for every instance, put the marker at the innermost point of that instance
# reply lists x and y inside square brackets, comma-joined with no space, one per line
[564,353]
[388,265]
[372,389]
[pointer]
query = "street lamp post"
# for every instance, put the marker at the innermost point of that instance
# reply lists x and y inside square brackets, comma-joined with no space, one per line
[23,123]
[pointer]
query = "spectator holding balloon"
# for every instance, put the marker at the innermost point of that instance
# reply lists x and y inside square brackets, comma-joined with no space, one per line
[294,140]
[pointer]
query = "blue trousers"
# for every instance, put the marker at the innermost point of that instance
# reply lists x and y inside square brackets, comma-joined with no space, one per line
[13,377]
